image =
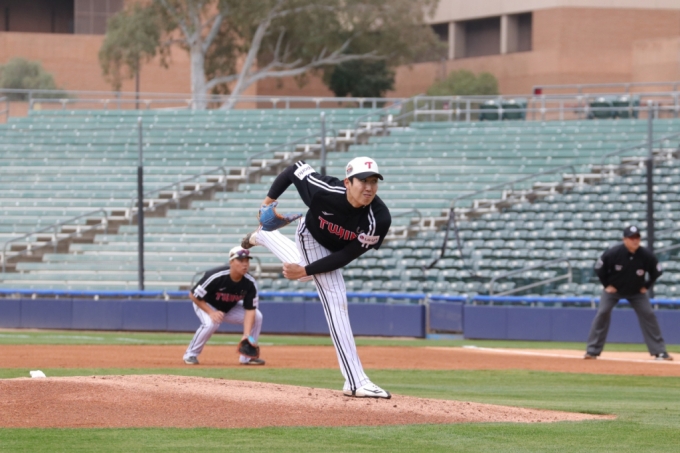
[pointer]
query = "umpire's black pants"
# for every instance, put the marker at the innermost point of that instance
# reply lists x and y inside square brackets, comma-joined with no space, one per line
[646,317]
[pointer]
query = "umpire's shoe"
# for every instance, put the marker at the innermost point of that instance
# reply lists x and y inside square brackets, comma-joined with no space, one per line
[369,390]
[663,356]
[589,356]
[253,362]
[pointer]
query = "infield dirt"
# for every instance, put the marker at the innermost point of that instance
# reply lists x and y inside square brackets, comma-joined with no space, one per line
[180,401]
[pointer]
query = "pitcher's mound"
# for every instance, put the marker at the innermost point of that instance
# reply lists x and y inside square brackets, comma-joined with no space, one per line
[185,402]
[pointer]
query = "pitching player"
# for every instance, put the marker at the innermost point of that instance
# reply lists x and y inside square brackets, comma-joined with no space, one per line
[345,219]
[226,294]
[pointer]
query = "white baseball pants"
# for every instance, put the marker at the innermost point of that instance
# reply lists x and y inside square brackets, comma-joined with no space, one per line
[207,328]
[332,292]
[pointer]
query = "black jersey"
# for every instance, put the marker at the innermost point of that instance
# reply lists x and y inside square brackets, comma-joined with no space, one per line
[219,290]
[626,271]
[343,229]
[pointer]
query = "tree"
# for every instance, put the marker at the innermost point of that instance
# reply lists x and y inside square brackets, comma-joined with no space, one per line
[284,38]
[132,37]
[360,78]
[465,83]
[22,74]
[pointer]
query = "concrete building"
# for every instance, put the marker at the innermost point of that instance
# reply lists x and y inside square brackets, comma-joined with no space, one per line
[524,43]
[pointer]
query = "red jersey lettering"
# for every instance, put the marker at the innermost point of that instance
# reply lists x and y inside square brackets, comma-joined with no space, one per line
[323,222]
[336,230]
[225,297]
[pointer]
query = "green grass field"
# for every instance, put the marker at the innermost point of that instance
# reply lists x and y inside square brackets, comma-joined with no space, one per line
[647,408]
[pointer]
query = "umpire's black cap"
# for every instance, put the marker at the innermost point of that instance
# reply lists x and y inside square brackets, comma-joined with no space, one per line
[631,232]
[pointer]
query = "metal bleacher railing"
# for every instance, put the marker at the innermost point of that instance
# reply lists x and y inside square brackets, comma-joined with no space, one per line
[78,230]
[108,100]
[537,107]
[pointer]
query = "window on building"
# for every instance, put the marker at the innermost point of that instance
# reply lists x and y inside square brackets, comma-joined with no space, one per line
[441,30]
[524,26]
[37,16]
[483,37]
[58,16]
[91,15]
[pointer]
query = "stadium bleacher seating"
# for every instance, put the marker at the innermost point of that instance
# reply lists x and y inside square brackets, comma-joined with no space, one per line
[61,164]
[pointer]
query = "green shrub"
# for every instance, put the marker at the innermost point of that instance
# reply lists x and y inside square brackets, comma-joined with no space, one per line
[22,74]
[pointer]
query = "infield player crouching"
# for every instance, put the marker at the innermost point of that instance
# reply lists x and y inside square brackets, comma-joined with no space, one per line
[227,294]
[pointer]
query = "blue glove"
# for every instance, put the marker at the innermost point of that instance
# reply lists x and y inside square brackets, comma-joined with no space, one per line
[271,220]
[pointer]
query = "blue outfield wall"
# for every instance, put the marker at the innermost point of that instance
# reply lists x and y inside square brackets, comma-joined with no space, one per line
[559,324]
[442,314]
[179,316]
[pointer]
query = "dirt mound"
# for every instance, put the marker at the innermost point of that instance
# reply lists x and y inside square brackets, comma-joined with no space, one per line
[179,401]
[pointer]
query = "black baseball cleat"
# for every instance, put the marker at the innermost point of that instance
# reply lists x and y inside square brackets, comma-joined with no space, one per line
[588,356]
[663,356]
[253,362]
[246,241]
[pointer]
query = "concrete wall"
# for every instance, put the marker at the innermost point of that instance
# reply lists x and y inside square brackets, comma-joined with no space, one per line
[455,10]
[73,61]
[572,45]
[656,59]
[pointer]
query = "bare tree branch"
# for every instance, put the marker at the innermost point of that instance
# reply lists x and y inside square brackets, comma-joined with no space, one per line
[213,31]
[220,80]
[331,60]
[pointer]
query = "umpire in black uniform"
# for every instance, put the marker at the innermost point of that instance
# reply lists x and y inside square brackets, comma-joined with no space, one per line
[622,271]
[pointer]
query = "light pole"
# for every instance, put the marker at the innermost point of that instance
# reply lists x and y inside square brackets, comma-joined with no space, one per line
[140,206]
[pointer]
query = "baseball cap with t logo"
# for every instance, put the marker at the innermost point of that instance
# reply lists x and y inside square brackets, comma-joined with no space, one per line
[239,252]
[362,168]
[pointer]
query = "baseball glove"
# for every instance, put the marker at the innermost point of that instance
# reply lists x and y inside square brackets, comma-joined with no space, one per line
[248,349]
[272,220]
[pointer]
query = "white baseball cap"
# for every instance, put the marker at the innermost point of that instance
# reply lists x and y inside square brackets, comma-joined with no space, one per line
[362,168]
[239,252]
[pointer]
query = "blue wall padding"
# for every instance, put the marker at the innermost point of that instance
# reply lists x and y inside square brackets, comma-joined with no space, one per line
[481,321]
[527,324]
[476,321]
[181,316]
[145,315]
[368,319]
[282,317]
[571,324]
[10,313]
[99,315]
[315,319]
[624,327]
[559,324]
[46,313]
[446,316]
[404,320]
[670,326]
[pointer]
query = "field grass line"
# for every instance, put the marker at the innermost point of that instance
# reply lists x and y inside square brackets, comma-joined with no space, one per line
[564,356]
